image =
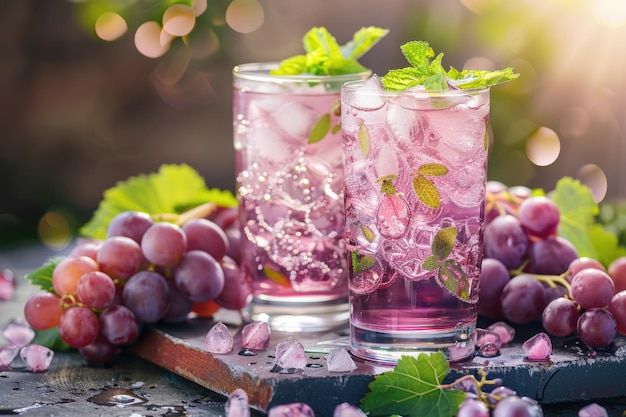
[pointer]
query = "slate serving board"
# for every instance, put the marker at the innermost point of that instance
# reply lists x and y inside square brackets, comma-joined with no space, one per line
[574,373]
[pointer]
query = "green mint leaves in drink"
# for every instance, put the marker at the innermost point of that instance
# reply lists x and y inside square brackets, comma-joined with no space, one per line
[427,70]
[324,55]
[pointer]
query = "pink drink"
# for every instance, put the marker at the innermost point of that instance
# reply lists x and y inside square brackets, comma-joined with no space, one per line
[290,190]
[415,166]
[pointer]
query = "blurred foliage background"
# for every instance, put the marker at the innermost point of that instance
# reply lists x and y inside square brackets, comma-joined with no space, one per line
[94,91]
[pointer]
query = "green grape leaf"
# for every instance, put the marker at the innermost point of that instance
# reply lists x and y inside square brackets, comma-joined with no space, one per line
[578,210]
[426,191]
[443,243]
[364,138]
[320,129]
[413,388]
[433,169]
[42,276]
[606,244]
[427,70]
[368,233]
[172,190]
[452,277]
[324,55]
[51,339]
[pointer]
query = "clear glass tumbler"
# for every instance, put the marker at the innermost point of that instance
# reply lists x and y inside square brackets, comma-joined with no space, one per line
[415,168]
[287,138]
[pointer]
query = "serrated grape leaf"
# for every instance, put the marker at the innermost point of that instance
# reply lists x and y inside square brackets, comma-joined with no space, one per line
[320,128]
[51,339]
[413,388]
[606,244]
[578,210]
[172,190]
[42,276]
[426,191]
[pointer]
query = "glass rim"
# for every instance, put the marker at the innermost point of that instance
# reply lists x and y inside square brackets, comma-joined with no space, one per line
[259,71]
[355,84]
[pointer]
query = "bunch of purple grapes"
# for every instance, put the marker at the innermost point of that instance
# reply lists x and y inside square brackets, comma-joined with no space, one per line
[144,271]
[529,273]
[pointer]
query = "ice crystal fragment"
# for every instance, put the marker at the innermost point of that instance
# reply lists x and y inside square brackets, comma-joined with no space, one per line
[290,357]
[506,332]
[348,410]
[339,360]
[7,354]
[219,339]
[36,357]
[255,336]
[18,333]
[538,348]
[237,404]
[593,410]
[291,410]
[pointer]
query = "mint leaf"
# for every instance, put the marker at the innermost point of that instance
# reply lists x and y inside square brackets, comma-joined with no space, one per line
[427,70]
[172,190]
[443,243]
[362,41]
[578,210]
[324,55]
[413,388]
[426,191]
[320,128]
[452,277]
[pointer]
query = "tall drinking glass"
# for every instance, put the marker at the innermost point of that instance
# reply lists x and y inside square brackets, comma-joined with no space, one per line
[287,138]
[415,165]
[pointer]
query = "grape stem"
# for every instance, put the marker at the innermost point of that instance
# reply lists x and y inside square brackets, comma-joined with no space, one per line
[198,212]
[551,280]
[478,384]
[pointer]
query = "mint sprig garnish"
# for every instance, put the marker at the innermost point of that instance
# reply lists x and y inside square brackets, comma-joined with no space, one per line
[324,55]
[427,70]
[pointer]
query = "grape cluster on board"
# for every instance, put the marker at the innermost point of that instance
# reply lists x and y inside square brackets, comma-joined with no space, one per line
[144,271]
[530,273]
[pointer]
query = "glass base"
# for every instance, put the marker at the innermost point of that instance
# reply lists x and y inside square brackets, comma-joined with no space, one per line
[387,348]
[299,316]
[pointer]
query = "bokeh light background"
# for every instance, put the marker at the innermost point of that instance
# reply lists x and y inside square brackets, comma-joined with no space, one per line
[94,91]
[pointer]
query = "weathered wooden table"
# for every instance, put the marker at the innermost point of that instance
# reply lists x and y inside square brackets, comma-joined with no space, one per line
[168,373]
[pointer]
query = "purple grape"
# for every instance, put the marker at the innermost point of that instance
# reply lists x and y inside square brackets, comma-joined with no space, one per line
[523,299]
[517,407]
[596,327]
[205,235]
[505,240]
[199,277]
[119,325]
[164,244]
[592,288]
[493,277]
[539,216]
[146,294]
[119,257]
[551,256]
[132,224]
[560,317]
[473,408]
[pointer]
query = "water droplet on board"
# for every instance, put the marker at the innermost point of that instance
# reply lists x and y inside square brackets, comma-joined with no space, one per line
[117,396]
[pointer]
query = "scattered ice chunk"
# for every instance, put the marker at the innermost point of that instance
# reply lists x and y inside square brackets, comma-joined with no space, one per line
[219,339]
[255,335]
[290,357]
[367,96]
[7,354]
[348,410]
[488,343]
[538,348]
[7,285]
[237,404]
[339,360]
[504,330]
[266,142]
[18,333]
[406,127]
[37,357]
[593,410]
[291,410]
